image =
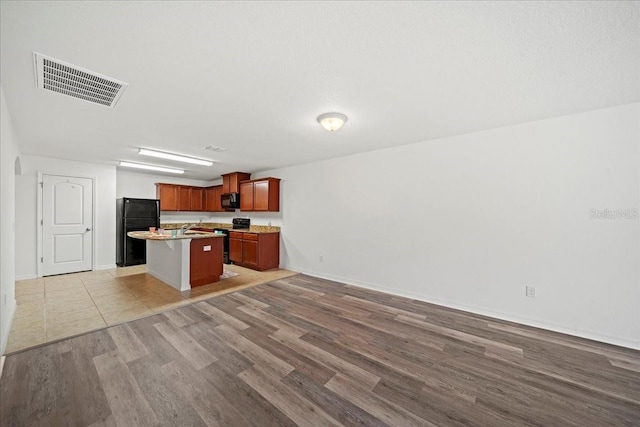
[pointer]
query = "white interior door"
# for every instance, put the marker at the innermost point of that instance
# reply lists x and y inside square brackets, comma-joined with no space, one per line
[67,221]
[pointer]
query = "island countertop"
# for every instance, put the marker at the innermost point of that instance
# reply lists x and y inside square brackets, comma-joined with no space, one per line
[147,235]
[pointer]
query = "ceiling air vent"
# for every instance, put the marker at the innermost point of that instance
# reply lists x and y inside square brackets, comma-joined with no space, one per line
[58,76]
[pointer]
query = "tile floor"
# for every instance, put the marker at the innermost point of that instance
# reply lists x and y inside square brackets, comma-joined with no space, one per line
[61,306]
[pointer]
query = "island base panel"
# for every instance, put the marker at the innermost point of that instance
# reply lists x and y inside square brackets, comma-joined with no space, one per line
[169,261]
[206,261]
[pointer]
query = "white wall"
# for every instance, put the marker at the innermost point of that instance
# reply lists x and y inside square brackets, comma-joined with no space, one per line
[131,184]
[27,225]
[143,186]
[468,221]
[104,211]
[9,151]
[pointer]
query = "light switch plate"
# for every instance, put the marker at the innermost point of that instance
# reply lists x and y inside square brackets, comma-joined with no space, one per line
[207,248]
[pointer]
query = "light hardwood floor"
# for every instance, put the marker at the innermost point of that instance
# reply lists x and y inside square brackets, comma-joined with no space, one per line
[305,351]
[61,306]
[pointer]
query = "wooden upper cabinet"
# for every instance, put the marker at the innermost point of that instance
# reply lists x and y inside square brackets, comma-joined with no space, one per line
[197,198]
[255,195]
[266,197]
[260,195]
[231,181]
[168,195]
[212,199]
[246,196]
[184,198]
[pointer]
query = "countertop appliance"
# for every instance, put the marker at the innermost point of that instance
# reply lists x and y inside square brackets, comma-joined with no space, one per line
[230,201]
[134,215]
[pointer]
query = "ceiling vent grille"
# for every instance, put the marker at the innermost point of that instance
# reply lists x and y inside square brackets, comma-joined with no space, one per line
[67,79]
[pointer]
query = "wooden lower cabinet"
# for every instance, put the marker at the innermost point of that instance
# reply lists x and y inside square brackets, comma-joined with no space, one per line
[258,251]
[235,248]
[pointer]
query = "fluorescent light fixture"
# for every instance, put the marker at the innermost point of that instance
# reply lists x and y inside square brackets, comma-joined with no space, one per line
[151,167]
[176,157]
[332,121]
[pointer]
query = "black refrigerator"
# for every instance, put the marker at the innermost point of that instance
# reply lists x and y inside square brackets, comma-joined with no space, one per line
[134,215]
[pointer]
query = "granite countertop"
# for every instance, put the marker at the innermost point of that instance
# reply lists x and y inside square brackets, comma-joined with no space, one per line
[212,225]
[147,235]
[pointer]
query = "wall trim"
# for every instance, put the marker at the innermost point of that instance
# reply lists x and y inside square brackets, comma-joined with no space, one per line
[26,277]
[5,333]
[483,312]
[105,267]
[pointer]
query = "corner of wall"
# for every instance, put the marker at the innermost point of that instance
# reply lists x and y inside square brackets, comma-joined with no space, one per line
[6,327]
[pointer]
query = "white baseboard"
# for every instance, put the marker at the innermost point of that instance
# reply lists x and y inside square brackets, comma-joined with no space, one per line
[26,277]
[7,327]
[35,276]
[1,364]
[483,312]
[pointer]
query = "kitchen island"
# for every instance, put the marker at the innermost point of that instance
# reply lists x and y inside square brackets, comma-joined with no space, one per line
[183,260]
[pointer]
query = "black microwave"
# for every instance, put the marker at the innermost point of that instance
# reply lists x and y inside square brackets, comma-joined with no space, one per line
[230,201]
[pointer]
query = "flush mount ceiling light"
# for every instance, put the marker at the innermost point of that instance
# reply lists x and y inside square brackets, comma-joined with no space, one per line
[332,121]
[151,167]
[176,157]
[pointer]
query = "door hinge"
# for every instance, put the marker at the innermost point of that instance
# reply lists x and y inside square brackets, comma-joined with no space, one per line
[41,259]
[42,184]
[41,223]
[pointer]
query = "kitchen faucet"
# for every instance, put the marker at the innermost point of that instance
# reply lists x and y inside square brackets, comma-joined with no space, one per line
[184,228]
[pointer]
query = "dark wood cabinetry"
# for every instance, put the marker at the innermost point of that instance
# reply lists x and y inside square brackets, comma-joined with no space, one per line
[175,197]
[168,195]
[231,181]
[184,198]
[261,195]
[212,199]
[235,248]
[197,198]
[259,251]
[205,265]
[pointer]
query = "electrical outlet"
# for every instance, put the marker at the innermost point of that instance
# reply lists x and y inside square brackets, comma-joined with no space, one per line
[321,258]
[530,291]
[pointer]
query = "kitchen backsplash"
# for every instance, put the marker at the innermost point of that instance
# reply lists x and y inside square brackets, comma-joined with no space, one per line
[256,228]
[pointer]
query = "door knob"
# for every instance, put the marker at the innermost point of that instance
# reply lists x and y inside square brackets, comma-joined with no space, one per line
[88,229]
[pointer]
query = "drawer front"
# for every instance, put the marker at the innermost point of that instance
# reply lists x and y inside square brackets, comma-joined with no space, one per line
[235,235]
[250,236]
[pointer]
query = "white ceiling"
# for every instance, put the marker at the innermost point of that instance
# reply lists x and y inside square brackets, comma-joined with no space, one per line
[253,76]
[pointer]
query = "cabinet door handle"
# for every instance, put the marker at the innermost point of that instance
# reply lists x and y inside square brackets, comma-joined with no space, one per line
[88,229]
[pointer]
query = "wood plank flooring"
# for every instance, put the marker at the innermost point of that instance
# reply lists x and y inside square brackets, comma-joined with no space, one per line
[311,352]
